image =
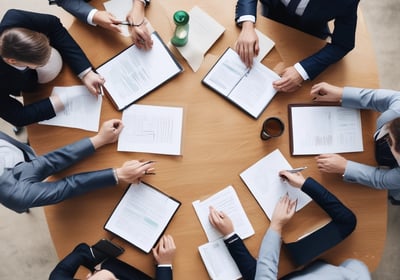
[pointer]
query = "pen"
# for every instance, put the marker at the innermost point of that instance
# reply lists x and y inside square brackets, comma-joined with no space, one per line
[148,173]
[297,169]
[101,90]
[124,22]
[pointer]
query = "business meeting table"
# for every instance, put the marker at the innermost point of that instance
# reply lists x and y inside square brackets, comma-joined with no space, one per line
[219,141]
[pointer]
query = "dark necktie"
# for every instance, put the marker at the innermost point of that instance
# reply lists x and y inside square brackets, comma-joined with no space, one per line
[383,154]
[292,6]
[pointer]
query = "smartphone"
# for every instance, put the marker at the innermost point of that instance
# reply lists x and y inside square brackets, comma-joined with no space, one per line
[105,247]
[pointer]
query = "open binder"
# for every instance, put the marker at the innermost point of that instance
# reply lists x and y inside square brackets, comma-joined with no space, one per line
[142,215]
[133,73]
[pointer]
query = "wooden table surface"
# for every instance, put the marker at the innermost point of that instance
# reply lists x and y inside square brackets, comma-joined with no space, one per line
[219,142]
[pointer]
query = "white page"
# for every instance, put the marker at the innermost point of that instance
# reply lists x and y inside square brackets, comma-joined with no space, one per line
[203,32]
[326,129]
[142,215]
[134,72]
[264,182]
[228,202]
[151,129]
[265,44]
[120,9]
[81,108]
[218,261]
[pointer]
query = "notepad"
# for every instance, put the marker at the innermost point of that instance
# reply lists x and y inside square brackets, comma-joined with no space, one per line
[249,89]
[142,215]
[263,180]
[134,72]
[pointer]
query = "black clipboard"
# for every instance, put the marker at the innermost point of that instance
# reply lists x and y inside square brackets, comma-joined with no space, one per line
[170,57]
[127,232]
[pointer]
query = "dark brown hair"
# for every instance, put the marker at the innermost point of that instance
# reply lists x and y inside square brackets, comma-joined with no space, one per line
[25,45]
[394,128]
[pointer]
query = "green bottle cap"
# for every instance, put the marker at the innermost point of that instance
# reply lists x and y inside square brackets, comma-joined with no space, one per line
[181,17]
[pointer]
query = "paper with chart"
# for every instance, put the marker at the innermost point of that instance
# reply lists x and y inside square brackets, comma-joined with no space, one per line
[325,129]
[142,215]
[204,31]
[228,202]
[81,108]
[218,261]
[249,89]
[267,187]
[151,129]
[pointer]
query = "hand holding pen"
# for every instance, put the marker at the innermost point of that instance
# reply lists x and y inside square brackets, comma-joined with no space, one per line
[94,82]
[132,171]
[295,179]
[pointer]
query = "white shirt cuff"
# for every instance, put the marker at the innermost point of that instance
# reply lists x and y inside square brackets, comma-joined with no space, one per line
[90,17]
[84,72]
[228,235]
[301,71]
[246,18]
[165,265]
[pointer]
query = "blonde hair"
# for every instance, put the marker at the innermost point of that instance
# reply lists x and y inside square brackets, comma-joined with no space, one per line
[25,45]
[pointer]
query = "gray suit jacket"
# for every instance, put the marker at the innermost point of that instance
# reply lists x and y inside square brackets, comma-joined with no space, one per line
[22,187]
[388,103]
[79,8]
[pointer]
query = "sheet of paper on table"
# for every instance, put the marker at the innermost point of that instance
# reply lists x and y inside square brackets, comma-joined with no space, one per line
[81,108]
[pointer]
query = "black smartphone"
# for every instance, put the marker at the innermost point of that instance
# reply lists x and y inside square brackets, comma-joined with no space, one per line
[105,248]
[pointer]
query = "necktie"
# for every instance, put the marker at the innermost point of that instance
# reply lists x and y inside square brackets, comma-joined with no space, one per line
[292,6]
[383,154]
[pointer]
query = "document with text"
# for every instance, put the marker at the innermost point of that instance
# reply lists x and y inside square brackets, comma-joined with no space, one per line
[81,108]
[151,129]
[135,72]
[267,187]
[249,89]
[142,215]
[324,129]
[228,202]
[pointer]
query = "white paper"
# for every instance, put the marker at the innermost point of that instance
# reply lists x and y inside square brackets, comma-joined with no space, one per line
[203,32]
[151,129]
[265,44]
[250,89]
[264,182]
[134,72]
[218,261]
[142,215]
[325,129]
[228,202]
[81,108]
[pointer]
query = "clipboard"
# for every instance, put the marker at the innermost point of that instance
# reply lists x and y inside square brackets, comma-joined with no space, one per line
[142,215]
[133,73]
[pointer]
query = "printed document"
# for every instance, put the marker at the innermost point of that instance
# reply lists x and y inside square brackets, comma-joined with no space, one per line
[151,129]
[250,89]
[228,202]
[142,215]
[267,187]
[325,129]
[81,108]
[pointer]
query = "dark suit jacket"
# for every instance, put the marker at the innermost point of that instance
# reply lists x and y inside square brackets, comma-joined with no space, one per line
[78,8]
[13,81]
[343,223]
[314,21]
[81,255]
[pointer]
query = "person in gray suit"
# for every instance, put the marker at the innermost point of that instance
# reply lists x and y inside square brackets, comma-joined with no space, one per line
[387,137]
[136,17]
[23,174]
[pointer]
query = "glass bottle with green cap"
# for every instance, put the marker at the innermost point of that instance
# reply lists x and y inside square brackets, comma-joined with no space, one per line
[181,34]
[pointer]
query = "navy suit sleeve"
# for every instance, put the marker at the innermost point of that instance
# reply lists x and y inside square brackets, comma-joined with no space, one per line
[123,270]
[51,26]
[78,8]
[245,7]
[163,273]
[66,268]
[343,41]
[242,257]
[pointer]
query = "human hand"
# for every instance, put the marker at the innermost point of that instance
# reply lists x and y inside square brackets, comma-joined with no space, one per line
[247,43]
[93,82]
[138,29]
[57,103]
[164,252]
[108,133]
[132,171]
[220,221]
[283,212]
[107,20]
[324,92]
[295,179]
[331,163]
[290,80]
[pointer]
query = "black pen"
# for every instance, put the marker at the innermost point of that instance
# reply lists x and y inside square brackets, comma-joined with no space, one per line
[148,173]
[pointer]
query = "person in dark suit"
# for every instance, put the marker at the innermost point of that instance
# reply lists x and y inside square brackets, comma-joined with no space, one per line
[112,268]
[136,17]
[23,174]
[33,47]
[306,249]
[310,16]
